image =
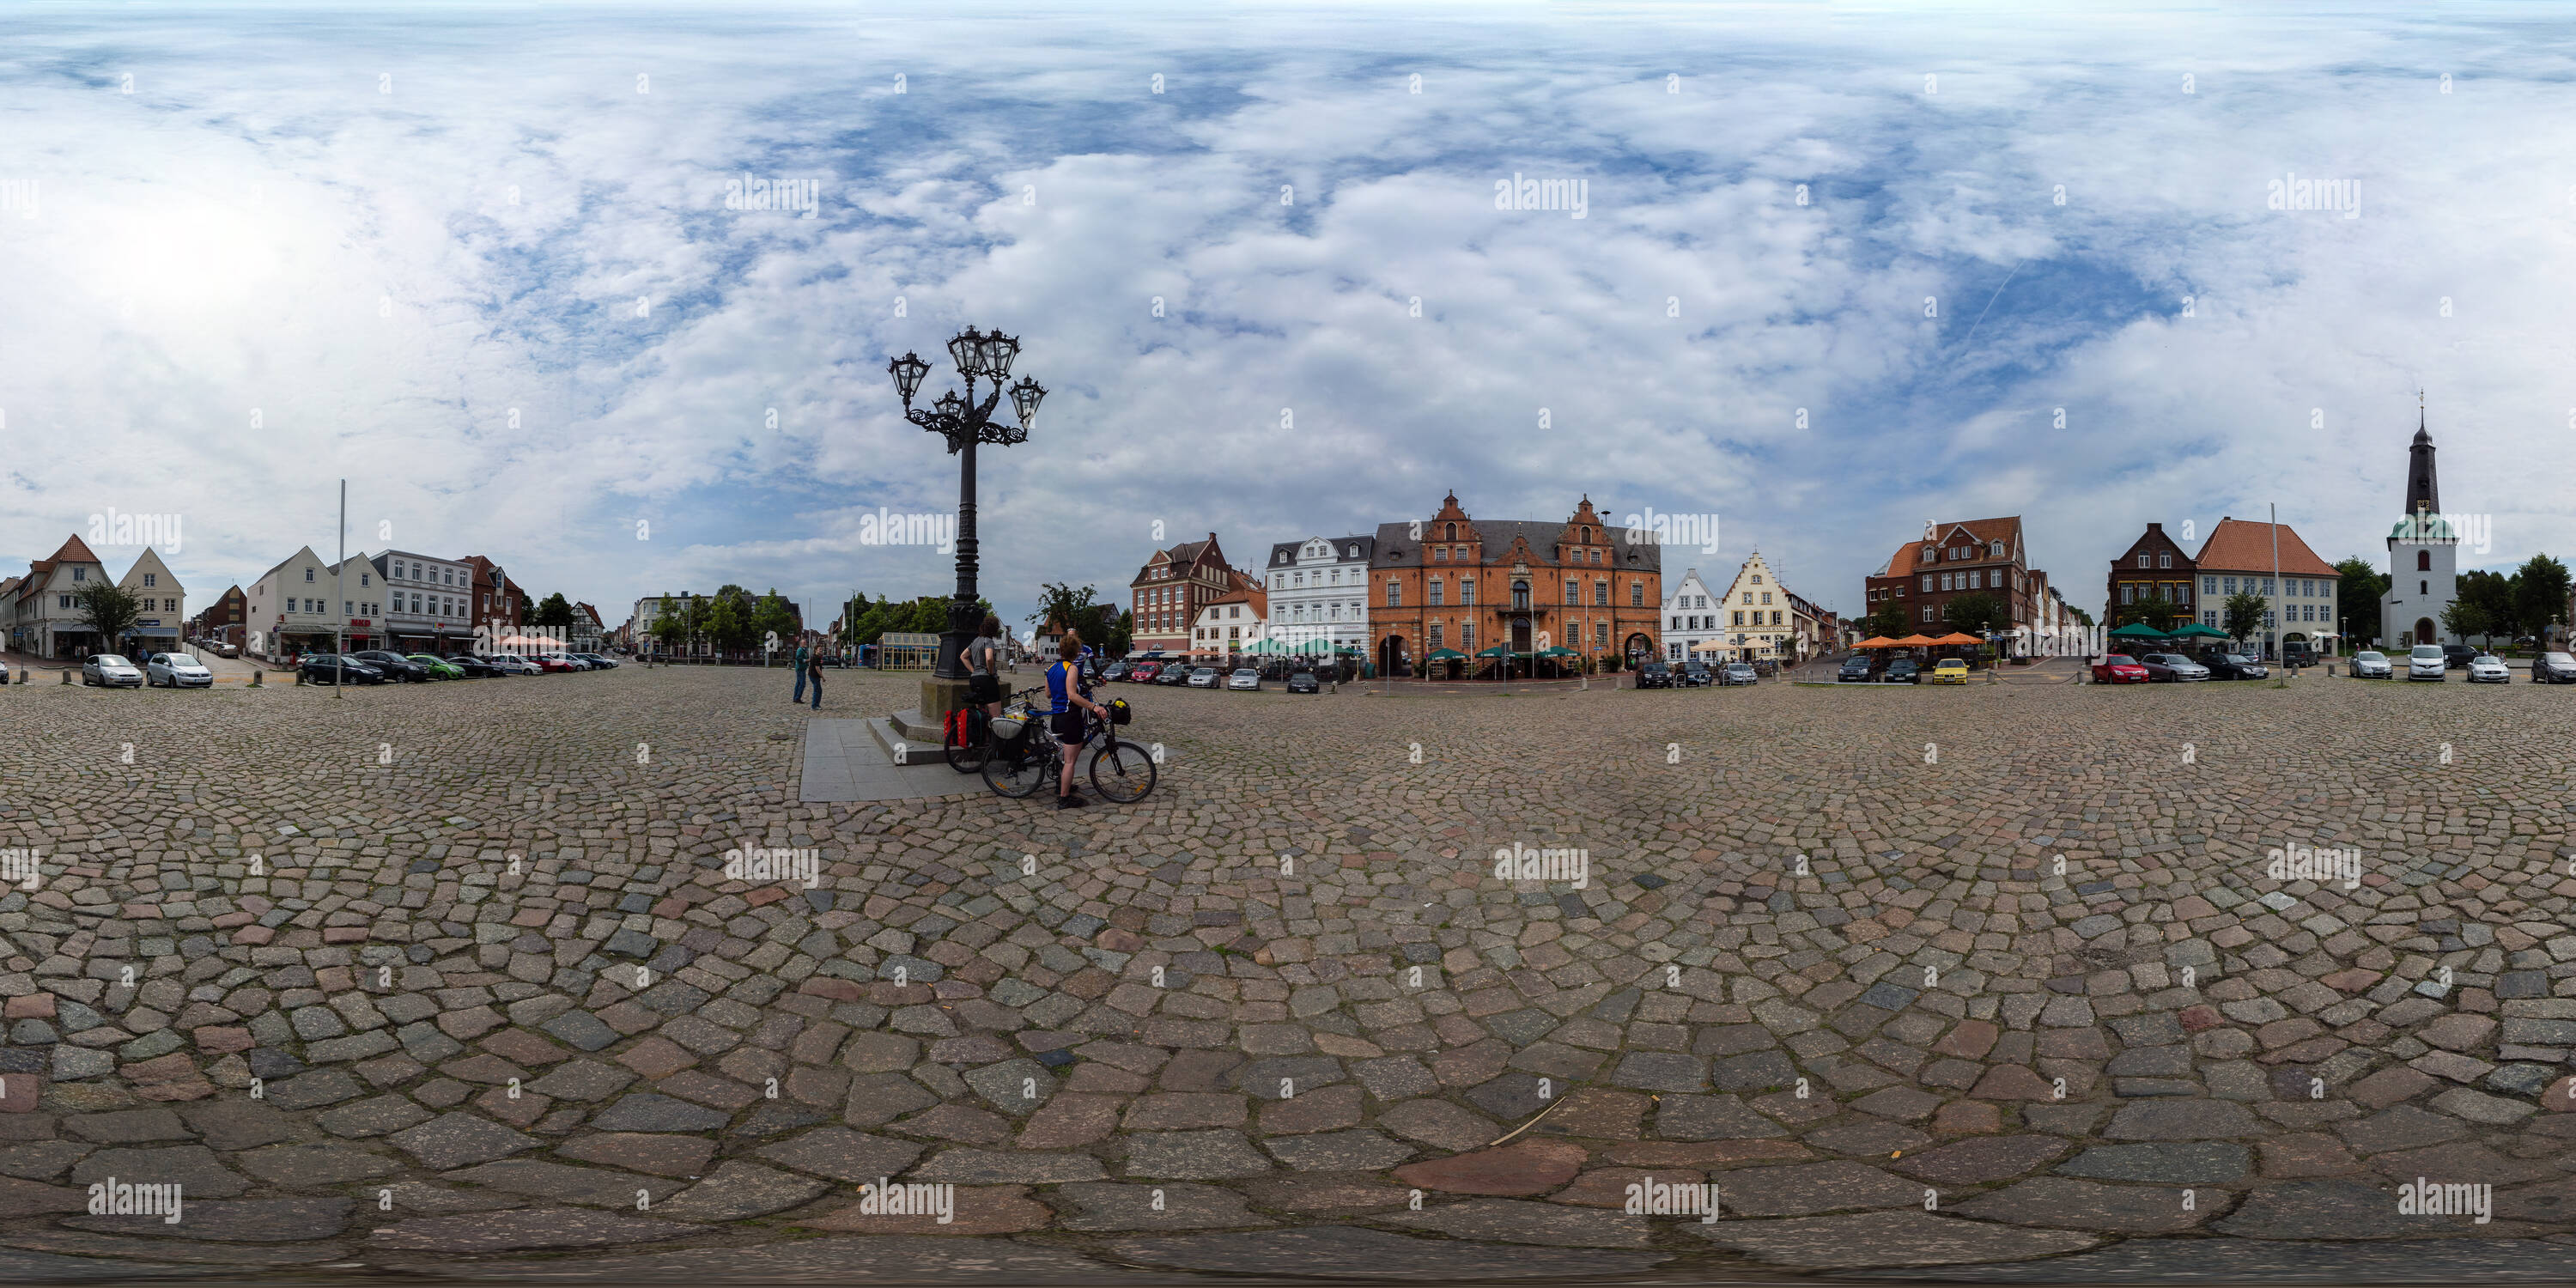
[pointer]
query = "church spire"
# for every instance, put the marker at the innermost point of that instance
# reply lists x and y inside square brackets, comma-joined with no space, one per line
[2422,493]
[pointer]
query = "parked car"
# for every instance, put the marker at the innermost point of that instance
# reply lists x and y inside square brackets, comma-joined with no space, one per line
[332,668]
[1739,673]
[394,665]
[2166,668]
[568,659]
[2298,653]
[439,668]
[2234,666]
[1654,675]
[1176,673]
[112,671]
[1304,682]
[2553,668]
[2487,668]
[178,671]
[598,662]
[513,664]
[1244,677]
[2456,656]
[230,650]
[1854,669]
[1950,670]
[1695,673]
[1904,670]
[2427,662]
[1204,677]
[1765,667]
[1114,671]
[475,668]
[2119,668]
[2371,664]
[1144,672]
[555,663]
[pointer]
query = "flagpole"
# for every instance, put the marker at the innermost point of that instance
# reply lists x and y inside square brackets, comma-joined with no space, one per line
[340,654]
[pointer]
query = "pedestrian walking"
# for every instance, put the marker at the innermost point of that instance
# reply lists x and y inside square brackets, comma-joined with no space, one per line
[804,659]
[814,667]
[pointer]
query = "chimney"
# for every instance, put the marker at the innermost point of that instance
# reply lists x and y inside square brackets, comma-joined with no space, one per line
[2155,527]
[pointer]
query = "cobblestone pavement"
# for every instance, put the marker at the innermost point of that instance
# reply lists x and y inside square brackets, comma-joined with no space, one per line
[474,948]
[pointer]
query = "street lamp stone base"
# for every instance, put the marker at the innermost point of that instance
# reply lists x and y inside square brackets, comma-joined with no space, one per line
[939,697]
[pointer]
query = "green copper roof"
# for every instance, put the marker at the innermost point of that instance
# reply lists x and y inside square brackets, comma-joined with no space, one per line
[2431,527]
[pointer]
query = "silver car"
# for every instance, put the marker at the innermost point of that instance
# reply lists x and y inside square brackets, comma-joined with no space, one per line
[1244,678]
[2427,663]
[111,670]
[2487,668]
[178,671]
[2371,664]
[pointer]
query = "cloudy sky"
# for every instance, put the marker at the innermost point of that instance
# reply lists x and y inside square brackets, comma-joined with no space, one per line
[1838,271]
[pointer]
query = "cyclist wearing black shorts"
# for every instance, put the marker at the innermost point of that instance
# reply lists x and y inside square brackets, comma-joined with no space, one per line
[1067,688]
[983,668]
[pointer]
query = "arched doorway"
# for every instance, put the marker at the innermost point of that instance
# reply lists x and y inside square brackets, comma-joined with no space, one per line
[1390,656]
[1638,648]
[2423,630]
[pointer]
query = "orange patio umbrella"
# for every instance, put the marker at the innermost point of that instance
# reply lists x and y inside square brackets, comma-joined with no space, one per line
[1876,641]
[1957,637]
[1916,641]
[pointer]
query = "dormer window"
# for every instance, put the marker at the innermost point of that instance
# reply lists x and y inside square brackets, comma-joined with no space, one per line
[1927,554]
[1449,532]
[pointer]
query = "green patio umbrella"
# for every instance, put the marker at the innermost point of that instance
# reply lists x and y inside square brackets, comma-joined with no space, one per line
[1558,650]
[2139,631]
[1445,655]
[2198,631]
[1496,651]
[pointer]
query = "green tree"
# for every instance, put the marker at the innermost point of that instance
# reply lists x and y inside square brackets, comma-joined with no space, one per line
[851,610]
[2499,613]
[2082,618]
[772,618]
[2357,597]
[728,624]
[669,629]
[2243,616]
[1888,622]
[2465,618]
[1075,608]
[553,612]
[108,609]
[2158,612]
[2540,592]
[1122,634]
[1975,614]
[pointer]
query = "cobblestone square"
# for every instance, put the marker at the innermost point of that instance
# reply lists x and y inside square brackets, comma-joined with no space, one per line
[1995,981]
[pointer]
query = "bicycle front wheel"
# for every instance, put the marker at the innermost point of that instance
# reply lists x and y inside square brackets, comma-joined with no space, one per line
[1122,772]
[1019,774]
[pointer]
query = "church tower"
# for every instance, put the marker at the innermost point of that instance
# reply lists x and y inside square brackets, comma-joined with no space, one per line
[2423,556]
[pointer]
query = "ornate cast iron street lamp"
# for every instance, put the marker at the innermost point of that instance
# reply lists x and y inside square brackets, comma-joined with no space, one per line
[965,423]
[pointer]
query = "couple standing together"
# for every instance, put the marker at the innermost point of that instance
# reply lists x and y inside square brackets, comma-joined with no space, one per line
[1067,689]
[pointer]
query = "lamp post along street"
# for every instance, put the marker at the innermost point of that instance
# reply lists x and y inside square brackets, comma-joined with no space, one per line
[965,423]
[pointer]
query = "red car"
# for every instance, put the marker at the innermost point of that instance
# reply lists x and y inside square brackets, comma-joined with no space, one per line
[1144,672]
[2119,668]
[550,665]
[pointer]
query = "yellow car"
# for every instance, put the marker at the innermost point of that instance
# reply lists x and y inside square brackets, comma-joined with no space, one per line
[1950,670]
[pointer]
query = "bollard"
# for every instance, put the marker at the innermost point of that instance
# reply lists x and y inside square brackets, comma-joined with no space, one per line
[67,675]
[255,673]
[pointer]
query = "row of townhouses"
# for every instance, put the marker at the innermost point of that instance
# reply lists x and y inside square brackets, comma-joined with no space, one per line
[41,612]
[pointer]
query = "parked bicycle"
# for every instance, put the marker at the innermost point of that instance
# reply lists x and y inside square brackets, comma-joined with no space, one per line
[1024,755]
[968,736]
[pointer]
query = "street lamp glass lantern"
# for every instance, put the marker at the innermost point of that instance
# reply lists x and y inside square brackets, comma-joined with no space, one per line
[908,371]
[1025,397]
[966,349]
[999,350]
